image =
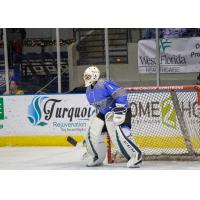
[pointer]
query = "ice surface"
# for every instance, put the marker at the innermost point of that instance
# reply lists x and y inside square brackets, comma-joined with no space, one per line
[62,158]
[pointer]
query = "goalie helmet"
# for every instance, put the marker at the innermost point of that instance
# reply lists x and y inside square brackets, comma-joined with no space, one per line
[91,75]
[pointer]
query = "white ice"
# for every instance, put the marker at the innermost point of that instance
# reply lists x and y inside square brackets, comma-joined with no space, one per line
[66,158]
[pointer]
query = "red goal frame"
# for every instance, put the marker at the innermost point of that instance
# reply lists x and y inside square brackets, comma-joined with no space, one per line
[157,88]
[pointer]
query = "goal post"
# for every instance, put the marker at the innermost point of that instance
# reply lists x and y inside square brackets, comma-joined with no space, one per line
[166,121]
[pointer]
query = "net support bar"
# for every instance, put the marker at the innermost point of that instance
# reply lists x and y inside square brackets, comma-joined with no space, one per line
[182,123]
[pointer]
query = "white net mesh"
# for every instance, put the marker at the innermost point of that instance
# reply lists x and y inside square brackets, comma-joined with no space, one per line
[165,123]
[155,126]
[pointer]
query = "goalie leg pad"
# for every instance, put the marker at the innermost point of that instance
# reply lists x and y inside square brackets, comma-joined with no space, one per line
[127,146]
[123,143]
[96,146]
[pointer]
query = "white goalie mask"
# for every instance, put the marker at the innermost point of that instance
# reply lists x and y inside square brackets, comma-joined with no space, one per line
[91,75]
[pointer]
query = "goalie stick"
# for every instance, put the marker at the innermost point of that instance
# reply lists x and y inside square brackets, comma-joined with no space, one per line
[77,145]
[74,143]
[81,144]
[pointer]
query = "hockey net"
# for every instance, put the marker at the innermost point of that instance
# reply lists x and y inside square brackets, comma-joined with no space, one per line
[165,122]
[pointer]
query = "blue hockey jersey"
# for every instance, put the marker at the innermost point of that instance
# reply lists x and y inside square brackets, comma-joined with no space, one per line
[104,95]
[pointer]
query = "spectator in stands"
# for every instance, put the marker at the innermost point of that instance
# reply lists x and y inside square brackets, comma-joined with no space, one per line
[14,88]
[173,32]
[15,37]
[198,80]
[17,44]
[149,33]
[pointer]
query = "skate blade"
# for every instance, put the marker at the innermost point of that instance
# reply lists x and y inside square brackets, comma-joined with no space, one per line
[95,165]
[137,165]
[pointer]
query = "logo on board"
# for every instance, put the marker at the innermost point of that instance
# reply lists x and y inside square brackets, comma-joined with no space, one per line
[58,113]
[168,113]
[35,111]
[164,44]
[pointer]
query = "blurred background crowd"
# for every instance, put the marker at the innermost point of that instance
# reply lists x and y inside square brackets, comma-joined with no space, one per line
[32,57]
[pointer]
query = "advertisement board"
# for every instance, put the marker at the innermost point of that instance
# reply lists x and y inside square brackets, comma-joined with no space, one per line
[46,120]
[44,114]
[181,55]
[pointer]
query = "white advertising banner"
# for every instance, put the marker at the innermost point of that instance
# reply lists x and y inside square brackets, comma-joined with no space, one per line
[152,114]
[181,55]
[44,114]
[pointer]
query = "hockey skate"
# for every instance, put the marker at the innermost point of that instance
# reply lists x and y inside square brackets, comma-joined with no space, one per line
[134,163]
[93,162]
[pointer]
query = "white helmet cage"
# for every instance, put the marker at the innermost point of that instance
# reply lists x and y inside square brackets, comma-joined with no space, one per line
[91,75]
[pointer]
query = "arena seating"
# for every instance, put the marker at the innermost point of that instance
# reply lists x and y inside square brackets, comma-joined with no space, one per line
[38,69]
[91,46]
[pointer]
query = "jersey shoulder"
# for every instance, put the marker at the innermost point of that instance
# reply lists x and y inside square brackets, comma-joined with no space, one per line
[102,83]
[111,84]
